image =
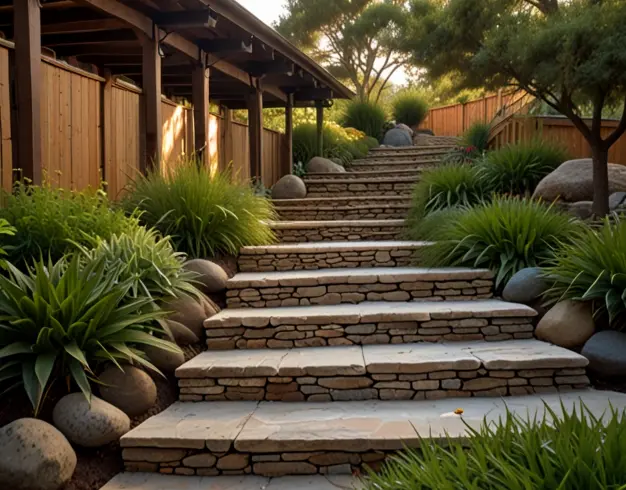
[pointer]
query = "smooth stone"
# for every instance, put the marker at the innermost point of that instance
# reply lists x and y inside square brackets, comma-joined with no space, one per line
[209,306]
[180,334]
[406,128]
[163,359]
[568,324]
[189,312]
[87,424]
[616,200]
[323,165]
[212,277]
[397,138]
[289,187]
[131,390]
[582,209]
[525,286]
[606,352]
[34,456]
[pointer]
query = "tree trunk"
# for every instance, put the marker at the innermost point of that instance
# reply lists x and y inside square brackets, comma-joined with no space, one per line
[600,179]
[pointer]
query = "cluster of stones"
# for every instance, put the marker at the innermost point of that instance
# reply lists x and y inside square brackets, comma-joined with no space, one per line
[361,187]
[278,333]
[348,289]
[265,259]
[202,463]
[316,231]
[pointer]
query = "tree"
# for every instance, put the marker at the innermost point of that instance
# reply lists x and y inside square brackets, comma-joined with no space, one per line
[356,40]
[569,54]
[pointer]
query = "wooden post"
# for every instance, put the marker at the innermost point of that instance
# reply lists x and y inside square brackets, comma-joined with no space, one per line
[200,97]
[228,138]
[320,127]
[27,21]
[108,175]
[289,135]
[151,70]
[255,129]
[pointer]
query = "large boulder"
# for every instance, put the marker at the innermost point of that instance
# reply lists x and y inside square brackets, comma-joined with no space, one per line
[211,277]
[397,138]
[573,181]
[525,286]
[34,456]
[88,424]
[404,127]
[289,187]
[167,361]
[606,352]
[617,200]
[581,209]
[189,312]
[178,333]
[568,324]
[323,165]
[131,390]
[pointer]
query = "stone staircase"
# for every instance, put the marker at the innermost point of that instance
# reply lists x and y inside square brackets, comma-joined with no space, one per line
[334,352]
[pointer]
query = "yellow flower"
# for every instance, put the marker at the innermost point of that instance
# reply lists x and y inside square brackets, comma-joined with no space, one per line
[459,411]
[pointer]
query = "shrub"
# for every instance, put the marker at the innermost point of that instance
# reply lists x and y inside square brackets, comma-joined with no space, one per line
[50,222]
[444,187]
[477,136]
[148,261]
[518,169]
[464,155]
[556,451]
[7,230]
[337,143]
[364,116]
[62,320]
[409,108]
[593,268]
[505,235]
[371,142]
[203,214]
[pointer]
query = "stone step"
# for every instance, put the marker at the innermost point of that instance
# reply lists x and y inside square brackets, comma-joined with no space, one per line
[378,175]
[276,439]
[382,165]
[156,481]
[368,323]
[347,187]
[322,255]
[398,210]
[403,150]
[320,231]
[383,372]
[357,285]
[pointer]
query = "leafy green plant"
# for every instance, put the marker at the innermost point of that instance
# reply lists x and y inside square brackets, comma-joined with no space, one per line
[7,230]
[371,142]
[444,187]
[364,116]
[592,267]
[409,108]
[477,136]
[203,214]
[146,259]
[556,451]
[505,235]
[464,155]
[518,169]
[336,143]
[299,170]
[60,321]
[50,222]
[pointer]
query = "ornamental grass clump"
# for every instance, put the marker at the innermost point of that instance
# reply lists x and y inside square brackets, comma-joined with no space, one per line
[592,267]
[556,451]
[409,108]
[367,117]
[506,234]
[61,320]
[477,137]
[205,215]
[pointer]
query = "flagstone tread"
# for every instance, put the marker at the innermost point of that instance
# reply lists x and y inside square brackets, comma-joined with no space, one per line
[402,149]
[155,481]
[363,180]
[325,247]
[341,199]
[364,173]
[270,438]
[290,225]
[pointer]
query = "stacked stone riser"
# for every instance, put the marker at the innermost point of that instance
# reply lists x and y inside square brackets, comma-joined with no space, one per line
[434,385]
[279,333]
[340,258]
[360,187]
[355,232]
[381,165]
[386,174]
[329,213]
[349,291]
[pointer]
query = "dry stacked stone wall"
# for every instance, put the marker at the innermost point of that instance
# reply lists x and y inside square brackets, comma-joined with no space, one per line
[381,187]
[341,232]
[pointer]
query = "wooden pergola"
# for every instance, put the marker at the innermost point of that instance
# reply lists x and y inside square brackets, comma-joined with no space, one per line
[200,50]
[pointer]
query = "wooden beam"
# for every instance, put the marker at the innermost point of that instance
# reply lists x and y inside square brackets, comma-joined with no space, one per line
[313,94]
[319,119]
[28,86]
[261,68]
[84,38]
[152,102]
[200,99]
[222,46]
[289,136]
[82,26]
[122,48]
[186,19]
[255,132]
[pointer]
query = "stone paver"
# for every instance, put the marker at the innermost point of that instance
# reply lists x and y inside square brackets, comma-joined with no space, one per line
[324,247]
[288,225]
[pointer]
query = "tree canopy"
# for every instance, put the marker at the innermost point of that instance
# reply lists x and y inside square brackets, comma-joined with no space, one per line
[568,54]
[356,40]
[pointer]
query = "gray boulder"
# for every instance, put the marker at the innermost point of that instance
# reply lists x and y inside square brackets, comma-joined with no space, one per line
[323,165]
[34,456]
[397,138]
[131,390]
[606,352]
[289,187]
[573,181]
[211,277]
[404,127]
[567,324]
[581,210]
[616,200]
[188,312]
[87,424]
[525,286]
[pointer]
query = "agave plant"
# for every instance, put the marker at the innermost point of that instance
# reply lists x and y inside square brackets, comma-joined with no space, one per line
[61,320]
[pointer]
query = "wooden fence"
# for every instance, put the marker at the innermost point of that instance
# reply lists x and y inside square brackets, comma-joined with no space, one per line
[92,132]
